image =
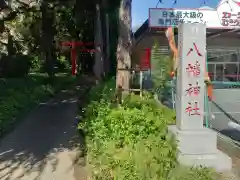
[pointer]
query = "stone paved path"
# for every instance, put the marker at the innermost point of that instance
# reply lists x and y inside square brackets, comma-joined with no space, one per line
[46,146]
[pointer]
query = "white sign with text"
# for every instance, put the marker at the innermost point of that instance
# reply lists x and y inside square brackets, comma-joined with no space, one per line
[226,16]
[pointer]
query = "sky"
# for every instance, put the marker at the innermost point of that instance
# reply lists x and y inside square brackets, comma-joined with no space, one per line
[140,8]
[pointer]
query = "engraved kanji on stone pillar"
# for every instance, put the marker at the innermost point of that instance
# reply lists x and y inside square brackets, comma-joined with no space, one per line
[190,80]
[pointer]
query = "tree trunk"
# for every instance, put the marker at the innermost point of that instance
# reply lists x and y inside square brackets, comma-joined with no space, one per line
[124,46]
[106,36]
[98,64]
[108,41]
[10,45]
[79,18]
[48,45]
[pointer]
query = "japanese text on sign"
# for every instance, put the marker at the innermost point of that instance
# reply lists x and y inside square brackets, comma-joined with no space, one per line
[193,69]
[193,89]
[180,14]
[193,109]
[230,19]
[173,18]
[222,17]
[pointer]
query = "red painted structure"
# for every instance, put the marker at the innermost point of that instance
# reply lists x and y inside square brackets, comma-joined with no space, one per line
[145,62]
[73,46]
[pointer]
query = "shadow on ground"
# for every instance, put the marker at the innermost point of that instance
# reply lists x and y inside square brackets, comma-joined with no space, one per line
[46,131]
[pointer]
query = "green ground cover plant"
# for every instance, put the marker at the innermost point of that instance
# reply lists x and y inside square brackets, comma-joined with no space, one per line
[19,95]
[131,142]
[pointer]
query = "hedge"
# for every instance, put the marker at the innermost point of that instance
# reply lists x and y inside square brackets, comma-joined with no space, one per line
[131,142]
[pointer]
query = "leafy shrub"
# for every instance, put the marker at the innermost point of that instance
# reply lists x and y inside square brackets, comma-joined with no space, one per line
[131,142]
[150,158]
[61,64]
[151,104]
[189,173]
[36,63]
[15,66]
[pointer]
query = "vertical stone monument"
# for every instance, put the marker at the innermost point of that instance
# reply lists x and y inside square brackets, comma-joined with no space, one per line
[197,145]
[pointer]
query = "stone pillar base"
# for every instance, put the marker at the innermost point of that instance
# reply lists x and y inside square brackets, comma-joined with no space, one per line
[199,148]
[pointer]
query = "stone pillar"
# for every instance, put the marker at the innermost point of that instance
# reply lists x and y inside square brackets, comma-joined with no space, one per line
[197,145]
[190,77]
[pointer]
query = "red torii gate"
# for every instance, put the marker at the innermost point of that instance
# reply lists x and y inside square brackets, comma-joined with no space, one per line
[73,46]
[145,63]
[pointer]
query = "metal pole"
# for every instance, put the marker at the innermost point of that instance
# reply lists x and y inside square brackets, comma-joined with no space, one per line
[141,82]
[173,84]
[206,107]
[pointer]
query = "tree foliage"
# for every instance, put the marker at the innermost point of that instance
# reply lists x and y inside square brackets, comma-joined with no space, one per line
[161,68]
[36,29]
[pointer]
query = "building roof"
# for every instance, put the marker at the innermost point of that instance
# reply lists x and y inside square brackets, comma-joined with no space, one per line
[141,29]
